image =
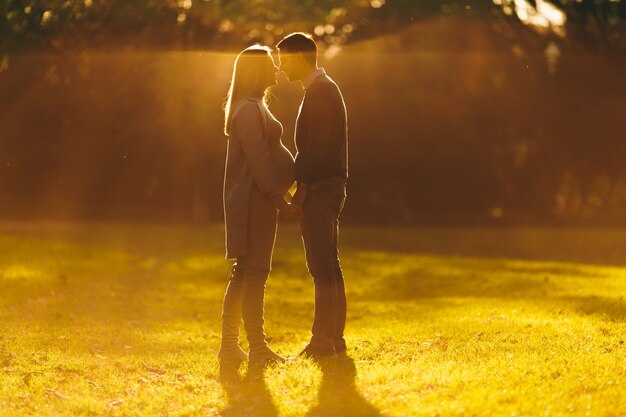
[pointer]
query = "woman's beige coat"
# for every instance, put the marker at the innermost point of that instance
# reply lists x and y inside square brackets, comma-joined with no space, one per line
[248,163]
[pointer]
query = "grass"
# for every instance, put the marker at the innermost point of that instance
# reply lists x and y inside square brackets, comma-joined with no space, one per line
[123,320]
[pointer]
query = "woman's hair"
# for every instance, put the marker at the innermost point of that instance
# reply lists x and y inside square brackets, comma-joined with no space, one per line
[248,80]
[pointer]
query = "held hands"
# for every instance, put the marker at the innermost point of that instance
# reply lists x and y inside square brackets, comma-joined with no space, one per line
[298,197]
[290,211]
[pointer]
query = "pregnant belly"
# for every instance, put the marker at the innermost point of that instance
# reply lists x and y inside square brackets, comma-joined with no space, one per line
[285,167]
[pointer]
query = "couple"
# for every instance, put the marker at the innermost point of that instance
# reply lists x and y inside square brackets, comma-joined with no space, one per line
[259,172]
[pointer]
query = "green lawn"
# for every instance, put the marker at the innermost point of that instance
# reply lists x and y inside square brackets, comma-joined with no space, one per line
[123,320]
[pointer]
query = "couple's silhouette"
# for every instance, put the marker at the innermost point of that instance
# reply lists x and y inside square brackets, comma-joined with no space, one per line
[259,172]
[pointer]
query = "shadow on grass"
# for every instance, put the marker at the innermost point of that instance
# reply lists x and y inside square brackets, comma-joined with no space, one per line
[429,277]
[578,245]
[433,280]
[338,395]
[247,396]
[610,309]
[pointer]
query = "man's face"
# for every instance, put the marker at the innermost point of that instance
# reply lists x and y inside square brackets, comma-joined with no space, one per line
[290,64]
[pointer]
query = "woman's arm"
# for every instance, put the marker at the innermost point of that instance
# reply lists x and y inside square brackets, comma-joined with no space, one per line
[249,129]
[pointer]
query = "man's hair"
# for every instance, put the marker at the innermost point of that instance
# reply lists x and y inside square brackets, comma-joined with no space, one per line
[299,42]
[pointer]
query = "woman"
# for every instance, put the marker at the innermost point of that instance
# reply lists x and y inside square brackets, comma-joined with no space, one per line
[259,171]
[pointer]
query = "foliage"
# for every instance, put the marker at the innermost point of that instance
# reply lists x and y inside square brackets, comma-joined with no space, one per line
[221,24]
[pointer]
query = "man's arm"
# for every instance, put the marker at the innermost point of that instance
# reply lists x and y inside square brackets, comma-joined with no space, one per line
[322,112]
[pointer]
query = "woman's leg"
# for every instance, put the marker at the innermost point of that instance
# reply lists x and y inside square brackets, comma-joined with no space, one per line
[253,310]
[262,225]
[231,317]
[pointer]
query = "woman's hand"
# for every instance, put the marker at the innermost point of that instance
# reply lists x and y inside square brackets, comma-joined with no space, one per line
[299,196]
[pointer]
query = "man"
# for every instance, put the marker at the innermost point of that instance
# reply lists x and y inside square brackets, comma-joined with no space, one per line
[321,174]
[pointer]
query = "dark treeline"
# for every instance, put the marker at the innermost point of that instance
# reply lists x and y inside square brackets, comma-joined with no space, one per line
[457,115]
[222,24]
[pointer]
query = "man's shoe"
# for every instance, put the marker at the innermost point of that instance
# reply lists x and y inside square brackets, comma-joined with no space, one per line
[315,352]
[340,347]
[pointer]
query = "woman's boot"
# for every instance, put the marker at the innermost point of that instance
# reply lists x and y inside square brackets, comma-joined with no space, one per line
[230,351]
[253,319]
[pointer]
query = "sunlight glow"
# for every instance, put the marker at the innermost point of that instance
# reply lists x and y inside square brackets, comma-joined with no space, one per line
[338,11]
[551,12]
[226,26]
[552,54]
[45,18]
[542,18]
[497,212]
[332,51]
[18,271]
[4,63]
[202,263]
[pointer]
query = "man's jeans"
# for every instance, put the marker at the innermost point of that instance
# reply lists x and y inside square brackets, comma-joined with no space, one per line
[320,228]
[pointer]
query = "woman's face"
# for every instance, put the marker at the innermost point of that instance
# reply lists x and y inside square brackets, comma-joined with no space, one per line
[271,71]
